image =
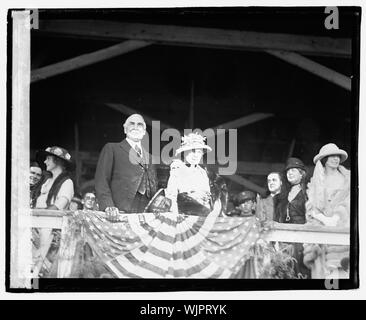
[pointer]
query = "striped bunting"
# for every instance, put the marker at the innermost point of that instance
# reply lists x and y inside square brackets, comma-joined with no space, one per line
[168,245]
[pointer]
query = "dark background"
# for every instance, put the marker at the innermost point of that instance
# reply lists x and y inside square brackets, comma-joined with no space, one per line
[228,84]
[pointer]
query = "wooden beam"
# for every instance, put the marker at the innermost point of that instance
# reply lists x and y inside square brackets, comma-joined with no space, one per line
[46,222]
[86,59]
[314,68]
[287,232]
[200,37]
[128,111]
[49,213]
[303,233]
[244,121]
[258,168]
[246,183]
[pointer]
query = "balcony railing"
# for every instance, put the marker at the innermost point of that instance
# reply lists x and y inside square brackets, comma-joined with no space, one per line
[293,233]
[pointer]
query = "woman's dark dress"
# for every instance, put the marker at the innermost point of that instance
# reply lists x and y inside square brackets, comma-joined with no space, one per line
[294,211]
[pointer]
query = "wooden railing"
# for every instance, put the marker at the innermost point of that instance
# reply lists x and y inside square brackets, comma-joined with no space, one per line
[294,233]
[302,233]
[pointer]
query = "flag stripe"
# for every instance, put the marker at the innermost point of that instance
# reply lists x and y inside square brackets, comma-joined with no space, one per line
[169,245]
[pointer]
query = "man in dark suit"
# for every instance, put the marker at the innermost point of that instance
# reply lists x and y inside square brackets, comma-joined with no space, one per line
[125,179]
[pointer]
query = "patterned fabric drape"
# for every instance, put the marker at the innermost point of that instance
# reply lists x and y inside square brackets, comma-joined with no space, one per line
[163,245]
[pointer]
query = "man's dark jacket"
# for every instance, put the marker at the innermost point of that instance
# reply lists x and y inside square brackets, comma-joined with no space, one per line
[119,174]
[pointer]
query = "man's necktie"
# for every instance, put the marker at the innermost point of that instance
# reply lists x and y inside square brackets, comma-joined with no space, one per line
[142,189]
[138,151]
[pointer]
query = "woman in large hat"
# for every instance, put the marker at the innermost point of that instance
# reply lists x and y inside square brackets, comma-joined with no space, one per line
[55,194]
[58,190]
[329,205]
[191,188]
[329,188]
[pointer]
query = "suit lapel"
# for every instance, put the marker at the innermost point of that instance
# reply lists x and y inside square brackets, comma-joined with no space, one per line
[128,149]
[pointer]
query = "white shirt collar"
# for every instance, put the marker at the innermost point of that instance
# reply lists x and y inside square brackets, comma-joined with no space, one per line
[134,143]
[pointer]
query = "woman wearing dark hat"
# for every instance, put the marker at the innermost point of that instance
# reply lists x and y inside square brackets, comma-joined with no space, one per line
[291,209]
[58,190]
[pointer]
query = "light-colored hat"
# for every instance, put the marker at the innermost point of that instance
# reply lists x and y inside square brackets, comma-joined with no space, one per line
[193,141]
[331,149]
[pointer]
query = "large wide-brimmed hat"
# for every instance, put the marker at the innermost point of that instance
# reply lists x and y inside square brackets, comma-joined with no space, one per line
[193,141]
[58,152]
[294,163]
[330,149]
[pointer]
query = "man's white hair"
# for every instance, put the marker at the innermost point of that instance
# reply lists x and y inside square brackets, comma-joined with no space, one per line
[134,115]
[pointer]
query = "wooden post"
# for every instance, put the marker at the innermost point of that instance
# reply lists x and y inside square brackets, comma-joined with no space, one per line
[191,106]
[291,149]
[77,158]
[20,232]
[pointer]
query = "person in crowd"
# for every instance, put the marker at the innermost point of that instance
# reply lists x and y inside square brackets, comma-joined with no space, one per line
[291,209]
[245,204]
[35,182]
[55,194]
[191,188]
[329,189]
[328,205]
[58,190]
[265,206]
[89,201]
[75,203]
[125,179]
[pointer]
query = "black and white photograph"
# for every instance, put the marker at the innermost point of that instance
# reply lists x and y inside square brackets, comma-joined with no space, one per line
[196,148]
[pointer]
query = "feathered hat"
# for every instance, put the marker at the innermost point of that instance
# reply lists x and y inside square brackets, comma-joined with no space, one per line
[193,141]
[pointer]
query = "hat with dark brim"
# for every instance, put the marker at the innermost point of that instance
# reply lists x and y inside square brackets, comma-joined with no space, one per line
[294,163]
[58,152]
[244,196]
[329,150]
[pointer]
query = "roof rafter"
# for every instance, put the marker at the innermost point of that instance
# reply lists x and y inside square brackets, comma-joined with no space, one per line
[86,59]
[200,37]
[314,68]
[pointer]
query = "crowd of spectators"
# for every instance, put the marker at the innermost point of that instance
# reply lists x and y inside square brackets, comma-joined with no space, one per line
[325,200]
